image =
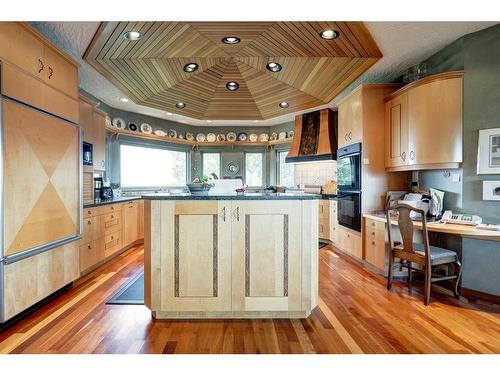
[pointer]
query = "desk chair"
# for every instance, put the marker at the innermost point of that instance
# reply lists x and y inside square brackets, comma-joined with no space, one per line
[423,254]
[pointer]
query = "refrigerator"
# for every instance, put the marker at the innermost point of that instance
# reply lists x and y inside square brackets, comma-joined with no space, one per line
[40,182]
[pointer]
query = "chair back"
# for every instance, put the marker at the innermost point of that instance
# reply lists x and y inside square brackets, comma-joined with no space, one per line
[406,228]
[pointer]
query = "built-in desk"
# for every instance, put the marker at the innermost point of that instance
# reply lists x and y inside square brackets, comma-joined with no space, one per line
[456,229]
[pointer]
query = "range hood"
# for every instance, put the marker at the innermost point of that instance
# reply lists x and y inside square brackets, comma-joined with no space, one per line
[315,137]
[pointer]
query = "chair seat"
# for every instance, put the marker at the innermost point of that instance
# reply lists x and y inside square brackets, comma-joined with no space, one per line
[438,254]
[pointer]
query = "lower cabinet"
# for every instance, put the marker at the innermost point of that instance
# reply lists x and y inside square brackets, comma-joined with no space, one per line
[334,224]
[349,241]
[130,227]
[324,219]
[375,243]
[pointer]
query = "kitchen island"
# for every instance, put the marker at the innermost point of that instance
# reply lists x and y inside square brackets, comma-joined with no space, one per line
[231,256]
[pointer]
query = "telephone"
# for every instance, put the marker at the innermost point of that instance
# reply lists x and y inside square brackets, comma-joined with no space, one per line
[450,217]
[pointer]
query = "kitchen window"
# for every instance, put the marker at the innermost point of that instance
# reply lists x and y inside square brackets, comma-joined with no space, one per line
[254,169]
[152,167]
[211,164]
[286,171]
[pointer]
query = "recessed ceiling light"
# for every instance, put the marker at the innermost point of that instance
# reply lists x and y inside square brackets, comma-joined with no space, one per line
[232,86]
[125,100]
[255,120]
[132,35]
[273,67]
[329,34]
[231,40]
[191,67]
[169,113]
[180,105]
[284,105]
[209,121]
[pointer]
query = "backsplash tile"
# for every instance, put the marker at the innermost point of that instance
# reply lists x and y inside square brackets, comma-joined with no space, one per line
[315,173]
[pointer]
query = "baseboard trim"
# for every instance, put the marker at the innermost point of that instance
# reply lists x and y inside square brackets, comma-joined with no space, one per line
[473,295]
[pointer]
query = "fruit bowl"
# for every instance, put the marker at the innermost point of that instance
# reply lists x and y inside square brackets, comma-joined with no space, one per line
[199,187]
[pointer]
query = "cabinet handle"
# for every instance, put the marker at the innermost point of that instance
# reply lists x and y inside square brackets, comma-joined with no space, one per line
[373,233]
[89,212]
[350,135]
[89,247]
[112,208]
[412,155]
[50,72]
[112,216]
[112,238]
[40,65]
[237,213]
[345,136]
[403,155]
[373,224]
[89,222]
[373,242]
[224,214]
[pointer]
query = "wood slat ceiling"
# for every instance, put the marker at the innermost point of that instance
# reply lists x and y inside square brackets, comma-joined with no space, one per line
[150,70]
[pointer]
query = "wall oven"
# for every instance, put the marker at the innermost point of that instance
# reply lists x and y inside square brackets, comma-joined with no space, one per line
[349,186]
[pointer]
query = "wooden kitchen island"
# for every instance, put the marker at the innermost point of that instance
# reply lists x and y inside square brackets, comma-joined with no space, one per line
[231,256]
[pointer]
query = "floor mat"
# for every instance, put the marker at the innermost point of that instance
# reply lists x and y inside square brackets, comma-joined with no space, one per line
[130,294]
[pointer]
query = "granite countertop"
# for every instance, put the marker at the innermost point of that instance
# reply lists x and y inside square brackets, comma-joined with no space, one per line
[231,196]
[328,196]
[102,202]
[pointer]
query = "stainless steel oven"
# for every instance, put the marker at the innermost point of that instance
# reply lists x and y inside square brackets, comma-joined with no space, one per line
[349,209]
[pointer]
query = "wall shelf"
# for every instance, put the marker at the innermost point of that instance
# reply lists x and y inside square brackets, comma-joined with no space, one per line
[194,144]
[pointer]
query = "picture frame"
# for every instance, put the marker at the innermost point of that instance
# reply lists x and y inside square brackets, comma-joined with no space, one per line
[488,153]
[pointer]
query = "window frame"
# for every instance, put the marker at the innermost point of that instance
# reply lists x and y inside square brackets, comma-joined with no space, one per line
[203,161]
[263,176]
[278,170]
[175,148]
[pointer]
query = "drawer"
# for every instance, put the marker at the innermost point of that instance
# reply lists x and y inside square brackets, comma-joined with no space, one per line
[92,229]
[92,211]
[374,224]
[324,228]
[324,208]
[130,204]
[375,250]
[112,222]
[91,253]
[350,241]
[334,233]
[109,208]
[113,243]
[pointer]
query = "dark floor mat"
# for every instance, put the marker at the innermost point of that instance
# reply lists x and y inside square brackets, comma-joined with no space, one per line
[322,244]
[130,294]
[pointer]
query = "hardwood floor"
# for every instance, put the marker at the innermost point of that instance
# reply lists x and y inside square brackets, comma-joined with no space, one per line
[356,314]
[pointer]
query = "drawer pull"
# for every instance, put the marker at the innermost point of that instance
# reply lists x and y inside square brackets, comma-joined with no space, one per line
[373,233]
[112,238]
[40,65]
[51,72]
[112,208]
[89,247]
[373,243]
[112,216]
[89,222]
[373,224]
[89,212]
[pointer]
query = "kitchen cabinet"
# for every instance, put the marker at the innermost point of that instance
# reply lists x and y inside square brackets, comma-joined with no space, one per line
[86,111]
[324,219]
[434,107]
[349,241]
[375,243]
[140,218]
[99,124]
[334,224]
[266,255]
[350,128]
[130,226]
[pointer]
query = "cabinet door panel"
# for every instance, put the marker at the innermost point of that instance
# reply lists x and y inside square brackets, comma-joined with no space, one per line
[129,223]
[396,112]
[99,123]
[351,119]
[435,113]
[266,256]
[87,121]
[197,256]
[60,73]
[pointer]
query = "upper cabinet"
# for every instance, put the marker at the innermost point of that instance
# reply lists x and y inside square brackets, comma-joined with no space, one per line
[424,124]
[93,123]
[351,119]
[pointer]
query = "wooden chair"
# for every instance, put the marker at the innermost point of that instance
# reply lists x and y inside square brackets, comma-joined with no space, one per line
[422,254]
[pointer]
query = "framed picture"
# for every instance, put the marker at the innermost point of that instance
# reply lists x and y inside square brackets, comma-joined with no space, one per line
[488,153]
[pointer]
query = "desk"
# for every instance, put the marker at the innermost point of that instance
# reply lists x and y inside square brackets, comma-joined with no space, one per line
[456,229]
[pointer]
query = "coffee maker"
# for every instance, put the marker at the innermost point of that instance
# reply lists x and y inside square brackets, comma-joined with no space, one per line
[98,185]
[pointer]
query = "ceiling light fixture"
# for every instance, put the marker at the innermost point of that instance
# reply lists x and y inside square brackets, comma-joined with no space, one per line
[169,113]
[232,86]
[255,120]
[132,35]
[181,105]
[191,67]
[329,34]
[231,40]
[124,100]
[209,121]
[284,105]
[273,67]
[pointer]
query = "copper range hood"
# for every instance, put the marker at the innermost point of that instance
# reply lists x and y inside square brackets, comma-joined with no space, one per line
[315,137]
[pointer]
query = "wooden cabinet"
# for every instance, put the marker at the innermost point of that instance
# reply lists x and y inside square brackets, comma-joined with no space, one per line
[423,111]
[324,219]
[197,251]
[350,128]
[396,131]
[375,243]
[334,224]
[130,226]
[266,255]
[99,140]
[140,219]
[86,111]
[60,74]
[349,241]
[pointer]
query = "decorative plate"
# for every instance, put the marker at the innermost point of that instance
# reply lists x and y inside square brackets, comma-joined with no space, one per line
[232,167]
[242,137]
[290,134]
[119,123]
[160,133]
[108,121]
[172,133]
[189,136]
[282,135]
[253,137]
[263,137]
[132,126]
[274,136]
[231,136]
[221,137]
[200,137]
[146,128]
[180,136]
[211,137]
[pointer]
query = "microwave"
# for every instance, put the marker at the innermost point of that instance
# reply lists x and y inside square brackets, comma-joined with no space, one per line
[87,153]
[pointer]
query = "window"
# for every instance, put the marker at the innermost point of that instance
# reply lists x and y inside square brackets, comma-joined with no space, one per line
[211,164]
[152,167]
[286,171]
[254,169]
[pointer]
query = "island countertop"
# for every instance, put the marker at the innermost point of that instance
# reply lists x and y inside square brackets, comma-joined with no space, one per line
[231,196]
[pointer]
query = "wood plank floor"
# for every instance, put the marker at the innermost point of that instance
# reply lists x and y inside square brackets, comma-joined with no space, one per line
[356,314]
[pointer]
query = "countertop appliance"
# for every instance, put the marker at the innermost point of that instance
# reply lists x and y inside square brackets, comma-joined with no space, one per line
[349,186]
[43,176]
[106,192]
[87,153]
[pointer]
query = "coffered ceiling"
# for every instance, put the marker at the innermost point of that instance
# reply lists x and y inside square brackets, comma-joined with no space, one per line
[150,70]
